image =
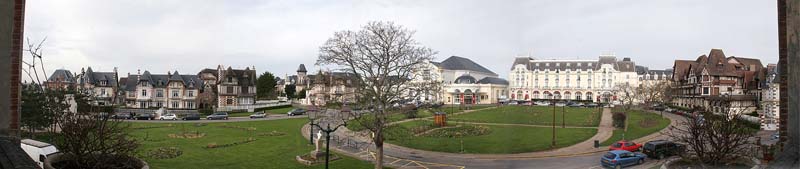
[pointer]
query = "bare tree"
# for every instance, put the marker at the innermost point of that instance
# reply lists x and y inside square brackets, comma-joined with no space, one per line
[626,93]
[714,140]
[382,56]
[652,92]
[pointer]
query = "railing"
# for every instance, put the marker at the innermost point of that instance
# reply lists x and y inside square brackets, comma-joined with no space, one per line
[252,107]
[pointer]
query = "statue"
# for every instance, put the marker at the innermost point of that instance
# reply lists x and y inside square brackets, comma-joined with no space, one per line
[319,137]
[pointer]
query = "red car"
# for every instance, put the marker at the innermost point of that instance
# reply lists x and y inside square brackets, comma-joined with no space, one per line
[625,145]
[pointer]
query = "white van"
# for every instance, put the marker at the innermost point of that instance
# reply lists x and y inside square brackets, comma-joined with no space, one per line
[37,150]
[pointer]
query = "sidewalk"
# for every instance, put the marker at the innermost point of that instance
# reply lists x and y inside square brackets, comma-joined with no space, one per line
[402,156]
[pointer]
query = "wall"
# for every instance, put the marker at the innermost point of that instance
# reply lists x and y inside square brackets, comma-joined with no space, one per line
[11,33]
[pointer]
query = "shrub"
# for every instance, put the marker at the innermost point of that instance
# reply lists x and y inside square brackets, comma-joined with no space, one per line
[619,119]
[94,142]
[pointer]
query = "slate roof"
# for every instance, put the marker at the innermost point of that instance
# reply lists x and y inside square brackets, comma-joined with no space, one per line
[562,65]
[12,155]
[493,80]
[460,63]
[94,78]
[64,75]
[161,80]
[302,68]
[465,79]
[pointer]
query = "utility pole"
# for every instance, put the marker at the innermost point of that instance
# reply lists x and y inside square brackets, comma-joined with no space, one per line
[553,103]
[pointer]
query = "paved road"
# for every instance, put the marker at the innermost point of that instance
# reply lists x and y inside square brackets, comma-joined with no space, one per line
[230,119]
[401,157]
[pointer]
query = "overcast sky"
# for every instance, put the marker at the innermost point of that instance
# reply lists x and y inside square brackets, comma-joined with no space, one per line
[277,36]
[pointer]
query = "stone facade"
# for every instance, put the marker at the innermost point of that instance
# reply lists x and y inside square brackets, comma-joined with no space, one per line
[101,86]
[171,90]
[575,80]
[462,81]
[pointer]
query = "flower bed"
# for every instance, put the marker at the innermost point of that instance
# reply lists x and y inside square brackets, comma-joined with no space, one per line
[215,145]
[459,131]
[164,153]
[272,133]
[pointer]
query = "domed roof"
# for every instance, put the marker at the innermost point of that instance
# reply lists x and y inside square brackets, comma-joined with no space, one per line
[465,79]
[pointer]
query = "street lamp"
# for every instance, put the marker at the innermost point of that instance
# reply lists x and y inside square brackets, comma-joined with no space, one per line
[553,103]
[313,121]
[328,129]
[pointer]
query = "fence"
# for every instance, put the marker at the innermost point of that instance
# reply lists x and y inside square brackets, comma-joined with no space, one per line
[253,107]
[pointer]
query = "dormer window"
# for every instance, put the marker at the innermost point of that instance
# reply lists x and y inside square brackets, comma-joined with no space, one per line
[230,79]
[103,82]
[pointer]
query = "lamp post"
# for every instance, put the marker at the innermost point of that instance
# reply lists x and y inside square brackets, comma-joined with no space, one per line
[313,121]
[328,129]
[553,103]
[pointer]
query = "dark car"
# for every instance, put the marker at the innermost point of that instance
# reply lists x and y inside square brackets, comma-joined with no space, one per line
[124,116]
[592,105]
[218,116]
[662,148]
[145,116]
[621,158]
[296,112]
[191,117]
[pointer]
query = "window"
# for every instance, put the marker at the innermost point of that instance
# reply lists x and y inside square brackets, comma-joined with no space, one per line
[705,90]
[159,93]
[174,93]
[175,104]
[230,89]
[190,104]
[229,101]
[102,92]
[190,93]
[144,92]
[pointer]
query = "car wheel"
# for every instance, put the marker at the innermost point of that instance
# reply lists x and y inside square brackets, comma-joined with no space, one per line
[640,161]
[618,166]
[226,118]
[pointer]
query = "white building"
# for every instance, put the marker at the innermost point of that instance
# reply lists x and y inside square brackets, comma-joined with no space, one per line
[462,82]
[576,80]
[770,99]
[171,90]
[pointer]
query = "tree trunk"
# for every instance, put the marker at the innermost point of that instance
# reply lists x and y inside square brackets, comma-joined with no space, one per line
[379,156]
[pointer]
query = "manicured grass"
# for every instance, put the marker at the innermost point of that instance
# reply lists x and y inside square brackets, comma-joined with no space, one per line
[537,115]
[265,152]
[500,140]
[423,113]
[640,123]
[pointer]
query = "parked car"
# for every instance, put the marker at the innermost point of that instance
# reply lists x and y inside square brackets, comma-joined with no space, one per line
[659,108]
[591,105]
[218,116]
[145,116]
[621,158]
[38,151]
[168,117]
[296,112]
[625,145]
[122,116]
[662,148]
[513,103]
[258,115]
[191,117]
[527,103]
[561,104]
[669,109]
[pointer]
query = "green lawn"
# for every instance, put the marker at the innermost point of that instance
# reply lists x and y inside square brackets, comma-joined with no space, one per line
[265,152]
[538,115]
[424,113]
[501,139]
[640,124]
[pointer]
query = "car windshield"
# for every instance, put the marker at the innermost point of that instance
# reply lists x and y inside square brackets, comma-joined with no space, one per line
[649,146]
[610,155]
[616,145]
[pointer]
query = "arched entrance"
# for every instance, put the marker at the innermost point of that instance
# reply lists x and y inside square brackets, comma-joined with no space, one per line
[606,97]
[578,96]
[469,97]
